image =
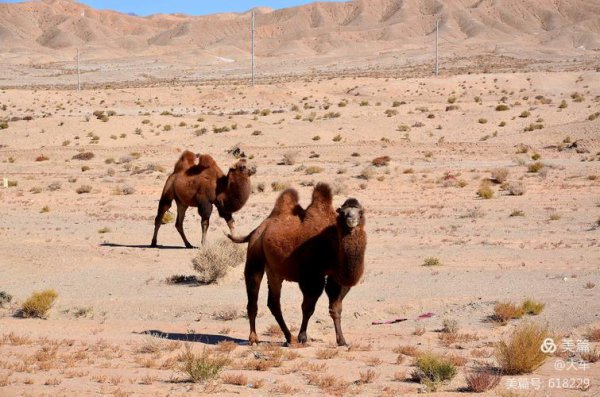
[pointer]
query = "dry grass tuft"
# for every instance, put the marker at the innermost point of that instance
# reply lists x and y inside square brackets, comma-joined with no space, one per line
[328,383]
[594,334]
[326,354]
[500,175]
[503,312]
[521,353]
[532,307]
[39,303]
[367,376]
[212,261]
[203,367]
[235,379]
[407,351]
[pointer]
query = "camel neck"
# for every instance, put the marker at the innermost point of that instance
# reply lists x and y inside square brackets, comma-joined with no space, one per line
[352,244]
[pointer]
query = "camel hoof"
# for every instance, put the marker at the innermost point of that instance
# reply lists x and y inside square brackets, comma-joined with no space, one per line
[189,246]
[302,338]
[342,343]
[153,244]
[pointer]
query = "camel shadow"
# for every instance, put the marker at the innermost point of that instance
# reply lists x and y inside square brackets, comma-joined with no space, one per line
[163,247]
[207,339]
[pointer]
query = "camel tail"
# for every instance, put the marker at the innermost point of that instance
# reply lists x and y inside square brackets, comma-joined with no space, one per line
[239,239]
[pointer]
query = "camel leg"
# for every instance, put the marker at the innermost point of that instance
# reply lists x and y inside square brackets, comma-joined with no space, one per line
[228,217]
[181,209]
[163,206]
[274,304]
[336,294]
[204,210]
[311,292]
[253,275]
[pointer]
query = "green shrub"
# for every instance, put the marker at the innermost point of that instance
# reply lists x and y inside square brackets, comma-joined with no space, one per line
[203,367]
[433,370]
[431,261]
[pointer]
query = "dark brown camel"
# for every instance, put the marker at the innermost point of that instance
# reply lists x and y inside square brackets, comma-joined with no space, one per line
[316,248]
[201,185]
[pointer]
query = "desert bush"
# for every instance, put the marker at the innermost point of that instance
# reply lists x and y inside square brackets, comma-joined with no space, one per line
[502,108]
[104,230]
[532,307]
[212,261]
[403,128]
[536,156]
[452,107]
[500,175]
[485,191]
[533,127]
[451,99]
[39,303]
[45,209]
[449,326]
[482,121]
[433,370]
[5,298]
[431,261]
[381,161]
[482,379]
[594,334]
[563,104]
[517,213]
[525,114]
[235,379]
[337,138]
[516,189]
[83,189]
[313,170]
[278,186]
[592,356]
[3,125]
[520,353]
[367,173]
[202,367]
[83,156]
[502,124]
[535,167]
[503,312]
[290,157]
[42,157]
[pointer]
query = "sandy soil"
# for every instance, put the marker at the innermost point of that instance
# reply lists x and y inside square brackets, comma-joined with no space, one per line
[92,248]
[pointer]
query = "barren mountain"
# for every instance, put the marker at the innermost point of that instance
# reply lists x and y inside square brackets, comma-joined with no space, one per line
[44,31]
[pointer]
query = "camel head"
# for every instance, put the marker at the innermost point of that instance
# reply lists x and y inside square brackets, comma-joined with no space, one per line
[351,213]
[241,168]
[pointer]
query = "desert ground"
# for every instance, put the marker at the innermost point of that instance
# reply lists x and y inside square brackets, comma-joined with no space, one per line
[120,327]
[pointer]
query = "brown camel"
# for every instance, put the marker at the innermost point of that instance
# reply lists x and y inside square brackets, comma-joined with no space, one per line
[316,248]
[201,185]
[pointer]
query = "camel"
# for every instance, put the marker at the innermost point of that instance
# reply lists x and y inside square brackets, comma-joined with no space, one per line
[317,247]
[201,185]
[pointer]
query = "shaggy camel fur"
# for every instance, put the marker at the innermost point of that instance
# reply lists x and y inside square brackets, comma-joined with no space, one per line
[317,248]
[201,185]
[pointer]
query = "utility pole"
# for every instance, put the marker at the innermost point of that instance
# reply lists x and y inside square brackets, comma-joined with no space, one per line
[437,30]
[252,30]
[78,75]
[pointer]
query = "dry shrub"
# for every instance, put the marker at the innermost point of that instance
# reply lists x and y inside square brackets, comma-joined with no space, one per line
[381,161]
[482,379]
[457,360]
[278,186]
[273,330]
[203,367]
[503,312]
[407,351]
[532,307]
[521,353]
[419,330]
[591,356]
[366,377]
[84,189]
[226,346]
[212,261]
[594,334]
[500,175]
[450,326]
[39,303]
[290,158]
[328,383]
[5,298]
[516,189]
[83,156]
[235,379]
[485,191]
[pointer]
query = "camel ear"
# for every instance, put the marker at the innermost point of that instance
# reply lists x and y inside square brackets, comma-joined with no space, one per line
[339,210]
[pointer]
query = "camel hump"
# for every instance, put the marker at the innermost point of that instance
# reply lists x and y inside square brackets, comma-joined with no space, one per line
[186,161]
[322,194]
[286,203]
[206,161]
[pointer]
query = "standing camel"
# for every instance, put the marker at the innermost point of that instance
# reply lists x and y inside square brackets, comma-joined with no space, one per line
[201,185]
[319,248]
